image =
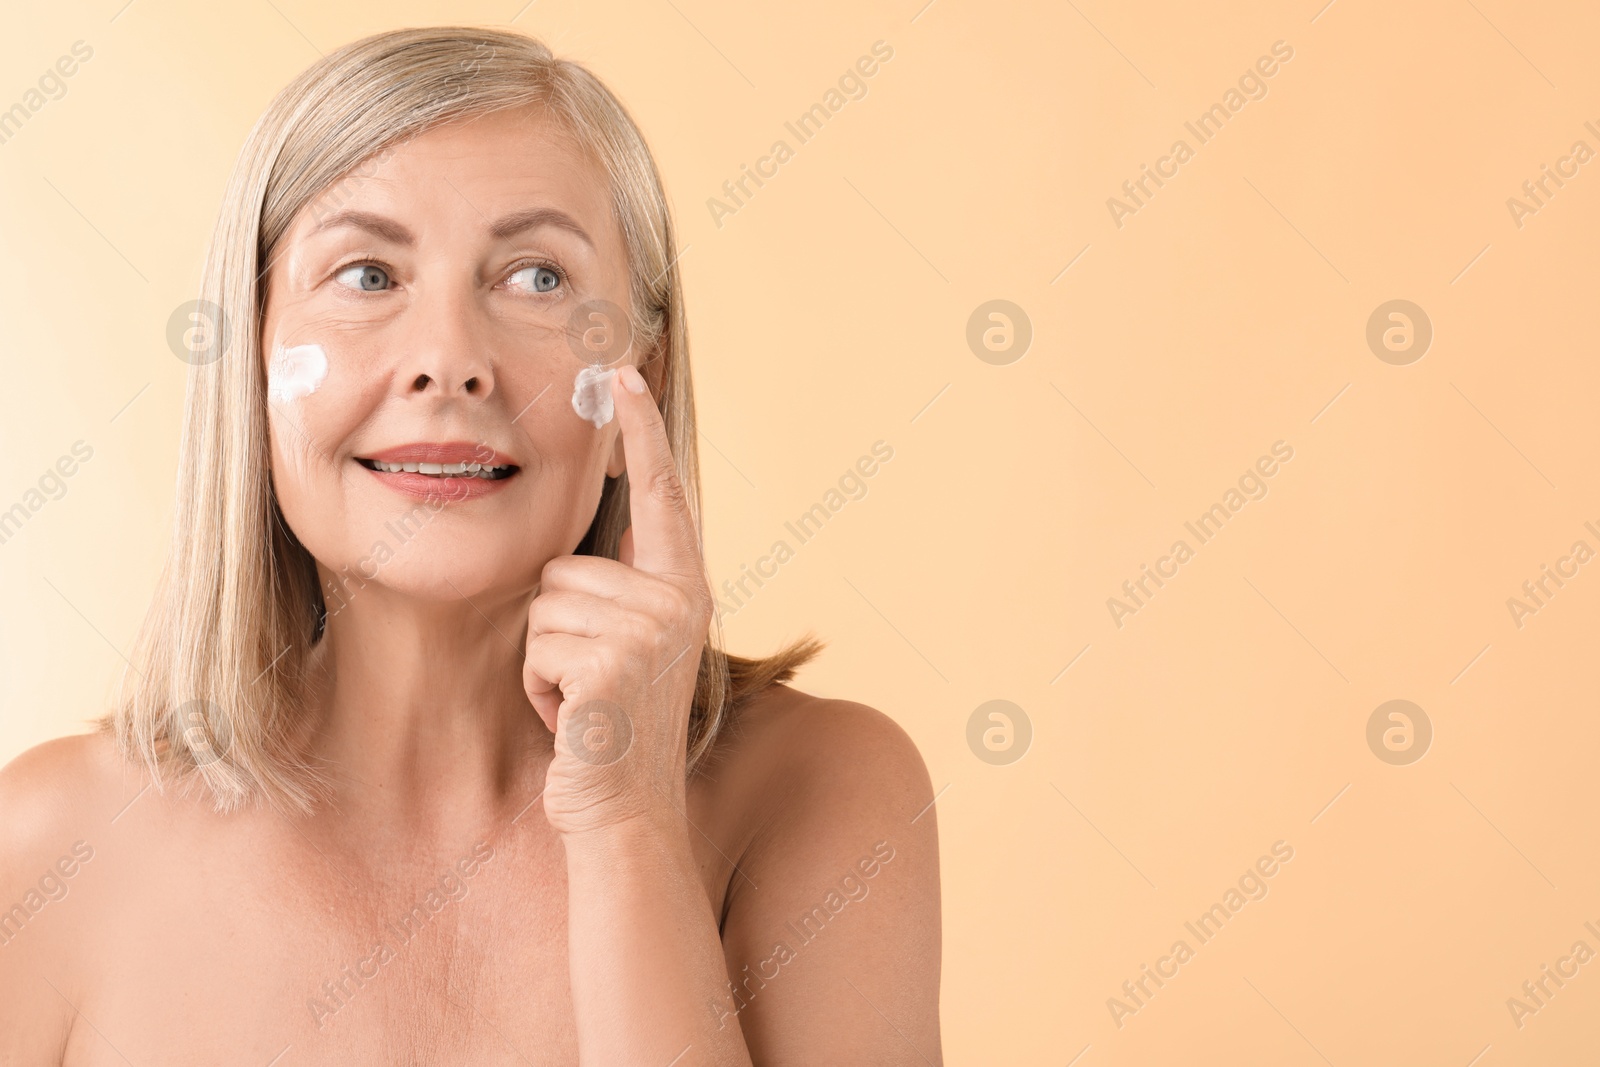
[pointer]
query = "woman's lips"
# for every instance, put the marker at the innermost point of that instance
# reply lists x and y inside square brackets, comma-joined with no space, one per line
[450,470]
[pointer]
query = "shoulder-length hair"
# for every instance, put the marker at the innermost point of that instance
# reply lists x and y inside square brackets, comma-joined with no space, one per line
[216,690]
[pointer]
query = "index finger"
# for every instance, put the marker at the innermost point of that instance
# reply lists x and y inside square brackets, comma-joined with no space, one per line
[664,536]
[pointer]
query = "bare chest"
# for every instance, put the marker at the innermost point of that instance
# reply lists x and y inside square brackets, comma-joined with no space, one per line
[282,957]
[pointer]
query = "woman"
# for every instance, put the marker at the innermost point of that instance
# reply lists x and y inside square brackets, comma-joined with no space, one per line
[424,755]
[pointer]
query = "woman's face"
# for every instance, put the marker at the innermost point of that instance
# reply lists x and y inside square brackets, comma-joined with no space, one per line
[430,312]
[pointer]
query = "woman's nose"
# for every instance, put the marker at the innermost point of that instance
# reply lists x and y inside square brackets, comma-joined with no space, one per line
[448,351]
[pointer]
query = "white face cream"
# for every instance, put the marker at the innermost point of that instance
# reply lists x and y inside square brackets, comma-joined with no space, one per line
[296,372]
[591,394]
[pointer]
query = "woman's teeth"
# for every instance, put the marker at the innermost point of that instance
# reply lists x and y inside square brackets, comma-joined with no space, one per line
[442,470]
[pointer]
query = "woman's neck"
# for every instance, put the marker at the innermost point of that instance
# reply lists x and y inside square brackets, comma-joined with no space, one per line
[423,723]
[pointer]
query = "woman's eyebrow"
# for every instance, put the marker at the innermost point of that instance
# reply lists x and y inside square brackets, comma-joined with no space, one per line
[377,225]
[509,226]
[517,222]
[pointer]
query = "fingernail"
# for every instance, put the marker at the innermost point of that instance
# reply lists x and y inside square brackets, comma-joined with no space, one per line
[631,379]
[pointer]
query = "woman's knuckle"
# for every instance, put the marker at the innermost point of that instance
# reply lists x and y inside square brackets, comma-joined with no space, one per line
[666,488]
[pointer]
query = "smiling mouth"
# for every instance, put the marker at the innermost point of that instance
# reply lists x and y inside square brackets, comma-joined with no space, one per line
[443,470]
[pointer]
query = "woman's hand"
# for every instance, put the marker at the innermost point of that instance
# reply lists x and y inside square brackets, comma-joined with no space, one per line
[614,647]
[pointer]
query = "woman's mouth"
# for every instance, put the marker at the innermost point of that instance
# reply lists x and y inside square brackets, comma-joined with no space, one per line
[455,470]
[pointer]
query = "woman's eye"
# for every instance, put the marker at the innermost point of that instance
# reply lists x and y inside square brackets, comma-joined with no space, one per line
[364,276]
[535,279]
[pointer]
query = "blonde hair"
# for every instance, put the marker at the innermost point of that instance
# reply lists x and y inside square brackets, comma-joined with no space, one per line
[222,657]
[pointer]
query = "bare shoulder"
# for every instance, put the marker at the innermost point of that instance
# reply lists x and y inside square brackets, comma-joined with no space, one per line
[53,787]
[792,740]
[54,798]
[812,778]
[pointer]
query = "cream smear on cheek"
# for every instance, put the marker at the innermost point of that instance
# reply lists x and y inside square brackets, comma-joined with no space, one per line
[591,394]
[296,372]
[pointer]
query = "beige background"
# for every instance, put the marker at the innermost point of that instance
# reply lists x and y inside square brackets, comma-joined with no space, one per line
[831,311]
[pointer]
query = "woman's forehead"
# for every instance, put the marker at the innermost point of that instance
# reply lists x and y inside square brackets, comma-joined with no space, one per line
[476,173]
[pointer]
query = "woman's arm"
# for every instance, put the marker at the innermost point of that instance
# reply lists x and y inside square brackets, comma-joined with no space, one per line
[646,960]
[611,665]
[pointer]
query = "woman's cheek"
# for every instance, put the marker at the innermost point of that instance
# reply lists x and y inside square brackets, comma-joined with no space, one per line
[311,413]
[294,372]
